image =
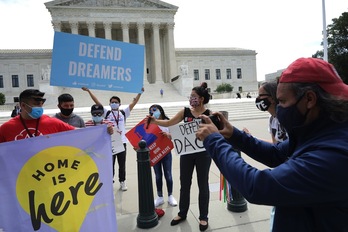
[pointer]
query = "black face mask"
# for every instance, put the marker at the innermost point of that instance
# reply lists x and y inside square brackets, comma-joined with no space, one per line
[66,112]
[290,117]
[262,104]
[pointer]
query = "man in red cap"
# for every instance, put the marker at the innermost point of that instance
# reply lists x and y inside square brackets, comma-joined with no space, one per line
[308,182]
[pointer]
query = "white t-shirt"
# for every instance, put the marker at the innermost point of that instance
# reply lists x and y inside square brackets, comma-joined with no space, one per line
[277,130]
[119,121]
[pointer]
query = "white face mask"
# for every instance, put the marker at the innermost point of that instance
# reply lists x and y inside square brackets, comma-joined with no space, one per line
[114,106]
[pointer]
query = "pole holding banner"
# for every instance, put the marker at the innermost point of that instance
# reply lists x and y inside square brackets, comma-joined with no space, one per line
[236,202]
[147,217]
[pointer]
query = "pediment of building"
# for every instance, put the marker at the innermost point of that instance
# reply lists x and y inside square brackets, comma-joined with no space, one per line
[112,3]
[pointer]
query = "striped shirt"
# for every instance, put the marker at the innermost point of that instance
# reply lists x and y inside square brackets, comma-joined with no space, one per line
[91,123]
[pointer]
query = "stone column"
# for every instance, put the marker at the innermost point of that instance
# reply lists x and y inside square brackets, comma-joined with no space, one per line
[91,29]
[156,53]
[74,28]
[171,58]
[125,32]
[57,26]
[141,41]
[141,33]
[107,28]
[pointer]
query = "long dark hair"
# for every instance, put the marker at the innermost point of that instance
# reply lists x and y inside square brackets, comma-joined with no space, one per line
[202,92]
[163,115]
[271,88]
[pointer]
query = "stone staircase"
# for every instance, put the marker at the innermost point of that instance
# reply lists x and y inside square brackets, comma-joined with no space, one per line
[238,109]
[171,101]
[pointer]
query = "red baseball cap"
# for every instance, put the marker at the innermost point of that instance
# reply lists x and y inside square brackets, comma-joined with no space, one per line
[313,70]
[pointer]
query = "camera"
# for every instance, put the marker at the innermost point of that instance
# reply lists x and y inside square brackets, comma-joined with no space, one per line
[215,120]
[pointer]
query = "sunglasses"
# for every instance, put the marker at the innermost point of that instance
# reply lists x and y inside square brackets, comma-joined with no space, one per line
[39,99]
[152,110]
[97,114]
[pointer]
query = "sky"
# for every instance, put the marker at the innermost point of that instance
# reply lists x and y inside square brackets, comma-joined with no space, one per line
[280,31]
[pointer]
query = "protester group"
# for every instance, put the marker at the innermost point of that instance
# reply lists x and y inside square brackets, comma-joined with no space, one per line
[307,156]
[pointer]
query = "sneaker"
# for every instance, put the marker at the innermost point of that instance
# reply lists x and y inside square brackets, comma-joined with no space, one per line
[159,201]
[123,186]
[172,201]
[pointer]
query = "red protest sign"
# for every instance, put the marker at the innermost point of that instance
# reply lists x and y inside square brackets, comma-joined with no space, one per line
[158,144]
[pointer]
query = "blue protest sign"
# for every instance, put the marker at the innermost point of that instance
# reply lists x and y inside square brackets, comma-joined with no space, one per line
[96,63]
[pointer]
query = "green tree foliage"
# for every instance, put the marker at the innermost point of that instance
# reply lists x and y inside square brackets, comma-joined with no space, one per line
[2,99]
[337,39]
[224,88]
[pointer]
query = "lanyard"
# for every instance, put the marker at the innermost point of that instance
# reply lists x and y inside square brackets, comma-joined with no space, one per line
[116,119]
[26,128]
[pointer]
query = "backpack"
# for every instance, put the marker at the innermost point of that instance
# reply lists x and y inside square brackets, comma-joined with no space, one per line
[122,111]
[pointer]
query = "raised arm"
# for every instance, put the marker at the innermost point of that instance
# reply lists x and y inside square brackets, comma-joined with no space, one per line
[135,100]
[166,123]
[94,98]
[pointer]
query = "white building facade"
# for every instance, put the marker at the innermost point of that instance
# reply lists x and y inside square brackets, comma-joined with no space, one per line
[146,22]
[217,66]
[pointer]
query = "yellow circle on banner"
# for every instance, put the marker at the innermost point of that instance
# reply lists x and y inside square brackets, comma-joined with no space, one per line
[57,186]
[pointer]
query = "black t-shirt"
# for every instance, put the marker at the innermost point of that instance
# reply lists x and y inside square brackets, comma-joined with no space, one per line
[188,116]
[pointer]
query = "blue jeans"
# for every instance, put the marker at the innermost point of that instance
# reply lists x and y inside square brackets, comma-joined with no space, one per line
[166,164]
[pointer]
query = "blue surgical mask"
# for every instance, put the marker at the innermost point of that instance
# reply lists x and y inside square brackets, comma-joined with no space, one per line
[36,111]
[114,106]
[97,119]
[156,114]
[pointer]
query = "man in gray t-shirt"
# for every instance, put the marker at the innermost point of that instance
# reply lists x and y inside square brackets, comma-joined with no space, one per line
[66,106]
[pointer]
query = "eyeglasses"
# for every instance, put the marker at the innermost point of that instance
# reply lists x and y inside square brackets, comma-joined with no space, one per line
[97,114]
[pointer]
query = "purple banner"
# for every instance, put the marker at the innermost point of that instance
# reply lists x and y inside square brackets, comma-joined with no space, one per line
[58,182]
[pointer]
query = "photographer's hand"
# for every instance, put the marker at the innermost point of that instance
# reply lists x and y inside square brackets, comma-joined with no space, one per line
[208,127]
[227,128]
[205,128]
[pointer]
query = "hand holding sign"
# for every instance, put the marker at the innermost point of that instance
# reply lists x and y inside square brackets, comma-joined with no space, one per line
[158,144]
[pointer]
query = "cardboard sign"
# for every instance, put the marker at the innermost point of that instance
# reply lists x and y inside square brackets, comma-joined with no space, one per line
[184,138]
[116,142]
[96,63]
[158,144]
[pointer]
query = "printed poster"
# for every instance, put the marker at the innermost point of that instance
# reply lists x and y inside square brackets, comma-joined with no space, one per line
[158,144]
[83,61]
[58,182]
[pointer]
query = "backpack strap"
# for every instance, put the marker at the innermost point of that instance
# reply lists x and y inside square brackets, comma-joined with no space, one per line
[107,114]
[124,115]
